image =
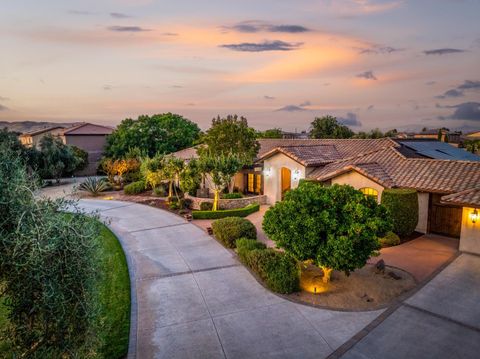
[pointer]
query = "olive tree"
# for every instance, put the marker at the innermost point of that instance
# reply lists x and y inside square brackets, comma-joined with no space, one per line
[335,227]
[221,169]
[47,268]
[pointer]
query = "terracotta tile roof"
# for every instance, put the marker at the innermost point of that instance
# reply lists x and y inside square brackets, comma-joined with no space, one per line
[88,129]
[40,131]
[442,176]
[470,197]
[314,152]
[187,153]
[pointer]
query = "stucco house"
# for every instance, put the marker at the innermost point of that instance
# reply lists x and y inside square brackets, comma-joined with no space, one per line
[32,139]
[369,165]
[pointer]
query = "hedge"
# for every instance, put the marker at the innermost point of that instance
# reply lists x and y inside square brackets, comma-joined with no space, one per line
[134,188]
[245,245]
[279,271]
[389,240]
[234,195]
[402,205]
[237,212]
[206,206]
[229,229]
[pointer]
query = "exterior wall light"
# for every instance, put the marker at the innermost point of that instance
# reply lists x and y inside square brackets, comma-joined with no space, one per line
[474,217]
[267,172]
[296,174]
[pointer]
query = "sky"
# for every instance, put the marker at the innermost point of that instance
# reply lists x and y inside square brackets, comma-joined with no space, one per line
[371,63]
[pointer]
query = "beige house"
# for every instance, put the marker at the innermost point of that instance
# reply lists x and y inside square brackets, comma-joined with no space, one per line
[369,165]
[33,138]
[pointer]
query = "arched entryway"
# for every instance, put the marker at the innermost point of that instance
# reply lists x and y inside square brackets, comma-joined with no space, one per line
[286,176]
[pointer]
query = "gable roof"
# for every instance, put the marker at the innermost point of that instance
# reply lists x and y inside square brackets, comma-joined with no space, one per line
[391,169]
[88,129]
[470,197]
[440,150]
[40,131]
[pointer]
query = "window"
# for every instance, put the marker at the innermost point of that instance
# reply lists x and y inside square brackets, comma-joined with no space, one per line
[254,183]
[367,191]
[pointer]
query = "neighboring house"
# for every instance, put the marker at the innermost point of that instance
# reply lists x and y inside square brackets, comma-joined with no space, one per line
[33,138]
[472,135]
[90,138]
[369,165]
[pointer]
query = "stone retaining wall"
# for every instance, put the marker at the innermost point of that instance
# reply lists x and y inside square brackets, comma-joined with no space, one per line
[228,203]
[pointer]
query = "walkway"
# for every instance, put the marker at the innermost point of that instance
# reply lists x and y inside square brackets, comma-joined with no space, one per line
[442,320]
[420,257]
[193,299]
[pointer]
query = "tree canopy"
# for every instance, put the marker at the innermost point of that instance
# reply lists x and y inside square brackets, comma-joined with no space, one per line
[163,133]
[270,133]
[231,135]
[57,159]
[329,127]
[336,227]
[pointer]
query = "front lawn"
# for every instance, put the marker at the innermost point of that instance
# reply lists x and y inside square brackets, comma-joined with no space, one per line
[113,299]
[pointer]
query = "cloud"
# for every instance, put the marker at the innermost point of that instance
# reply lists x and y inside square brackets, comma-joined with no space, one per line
[119,15]
[169,34]
[291,108]
[3,108]
[266,97]
[468,111]
[176,87]
[367,75]
[275,45]
[377,49]
[80,12]
[430,83]
[305,104]
[127,29]
[444,51]
[352,8]
[254,26]
[459,91]
[350,120]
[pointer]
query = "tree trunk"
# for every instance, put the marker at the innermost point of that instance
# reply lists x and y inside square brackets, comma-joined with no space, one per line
[327,272]
[170,190]
[215,199]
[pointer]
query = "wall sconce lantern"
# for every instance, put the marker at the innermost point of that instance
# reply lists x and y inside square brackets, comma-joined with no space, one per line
[296,174]
[474,217]
[267,171]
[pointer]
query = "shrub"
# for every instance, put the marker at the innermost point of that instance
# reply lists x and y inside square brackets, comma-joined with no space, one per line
[160,191]
[245,245]
[234,195]
[402,205]
[390,240]
[229,229]
[134,187]
[185,203]
[279,270]
[237,212]
[173,205]
[94,185]
[337,227]
[206,206]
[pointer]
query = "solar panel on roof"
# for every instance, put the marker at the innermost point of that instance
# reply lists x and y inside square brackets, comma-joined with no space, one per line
[441,150]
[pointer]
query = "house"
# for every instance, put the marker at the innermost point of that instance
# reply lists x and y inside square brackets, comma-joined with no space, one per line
[369,165]
[32,139]
[90,138]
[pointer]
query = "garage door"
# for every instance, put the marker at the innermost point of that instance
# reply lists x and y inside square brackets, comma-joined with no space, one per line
[444,219]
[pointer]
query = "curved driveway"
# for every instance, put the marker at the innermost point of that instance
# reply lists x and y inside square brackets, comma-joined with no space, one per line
[192,299]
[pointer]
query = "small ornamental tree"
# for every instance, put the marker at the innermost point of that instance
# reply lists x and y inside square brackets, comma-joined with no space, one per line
[191,177]
[221,169]
[402,205]
[57,159]
[171,172]
[335,227]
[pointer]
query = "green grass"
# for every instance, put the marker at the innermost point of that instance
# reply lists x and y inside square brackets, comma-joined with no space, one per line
[112,296]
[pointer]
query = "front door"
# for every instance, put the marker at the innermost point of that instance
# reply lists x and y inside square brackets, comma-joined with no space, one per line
[286,180]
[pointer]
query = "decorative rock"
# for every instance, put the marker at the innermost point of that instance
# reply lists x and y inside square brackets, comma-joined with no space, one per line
[210,231]
[380,267]
[394,275]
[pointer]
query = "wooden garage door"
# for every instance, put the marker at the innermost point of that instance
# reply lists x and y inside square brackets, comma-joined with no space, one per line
[443,219]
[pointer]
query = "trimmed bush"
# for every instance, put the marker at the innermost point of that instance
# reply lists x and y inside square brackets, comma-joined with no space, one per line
[185,203]
[245,245]
[237,212]
[134,188]
[206,206]
[234,195]
[229,229]
[402,205]
[390,240]
[279,271]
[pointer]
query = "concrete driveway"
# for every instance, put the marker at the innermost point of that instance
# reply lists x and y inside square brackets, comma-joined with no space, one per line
[192,299]
[442,320]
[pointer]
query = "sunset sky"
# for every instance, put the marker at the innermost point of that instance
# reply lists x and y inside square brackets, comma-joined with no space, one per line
[391,63]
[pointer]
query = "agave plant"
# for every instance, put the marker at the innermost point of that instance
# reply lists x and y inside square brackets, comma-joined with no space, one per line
[94,185]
